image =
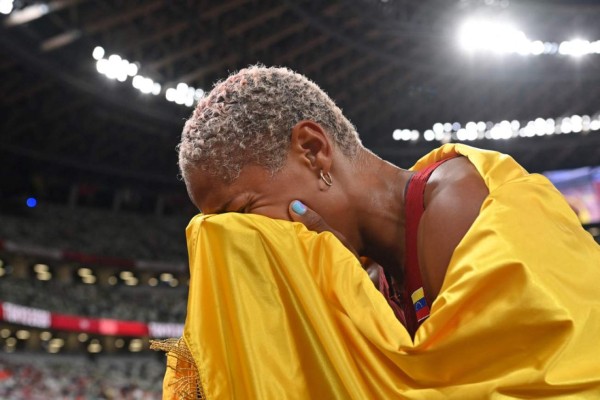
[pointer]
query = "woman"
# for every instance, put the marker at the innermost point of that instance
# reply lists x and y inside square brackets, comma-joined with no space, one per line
[452,233]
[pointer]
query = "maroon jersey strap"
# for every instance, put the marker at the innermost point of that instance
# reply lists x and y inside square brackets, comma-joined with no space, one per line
[416,309]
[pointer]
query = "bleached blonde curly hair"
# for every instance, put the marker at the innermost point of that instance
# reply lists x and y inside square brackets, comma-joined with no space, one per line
[248,118]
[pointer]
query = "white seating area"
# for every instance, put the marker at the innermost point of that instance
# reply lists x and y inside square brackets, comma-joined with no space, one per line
[36,376]
[99,232]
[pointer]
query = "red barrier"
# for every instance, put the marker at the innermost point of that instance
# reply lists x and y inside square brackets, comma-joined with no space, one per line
[101,326]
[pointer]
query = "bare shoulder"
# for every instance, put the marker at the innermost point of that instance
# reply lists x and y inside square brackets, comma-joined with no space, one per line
[453,198]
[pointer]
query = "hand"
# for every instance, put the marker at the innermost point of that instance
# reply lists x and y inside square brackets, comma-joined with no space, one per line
[313,221]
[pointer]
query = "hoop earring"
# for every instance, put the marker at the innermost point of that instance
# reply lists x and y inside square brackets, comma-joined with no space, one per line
[326,178]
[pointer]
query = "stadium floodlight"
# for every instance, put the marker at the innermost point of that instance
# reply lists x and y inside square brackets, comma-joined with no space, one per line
[29,13]
[481,35]
[6,6]
[132,69]
[486,35]
[503,130]
[117,68]
[429,135]
[98,53]
[171,94]
[146,85]
[184,94]
[575,48]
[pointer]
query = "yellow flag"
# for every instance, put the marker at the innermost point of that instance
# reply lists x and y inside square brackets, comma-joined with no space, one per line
[278,312]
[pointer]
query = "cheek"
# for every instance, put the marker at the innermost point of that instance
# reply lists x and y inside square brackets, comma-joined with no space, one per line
[272,211]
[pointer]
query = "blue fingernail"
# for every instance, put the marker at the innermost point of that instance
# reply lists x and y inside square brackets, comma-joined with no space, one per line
[298,207]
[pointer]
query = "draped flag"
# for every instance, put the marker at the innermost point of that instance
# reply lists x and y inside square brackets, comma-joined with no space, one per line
[278,312]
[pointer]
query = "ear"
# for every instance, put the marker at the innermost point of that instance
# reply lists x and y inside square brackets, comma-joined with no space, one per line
[310,142]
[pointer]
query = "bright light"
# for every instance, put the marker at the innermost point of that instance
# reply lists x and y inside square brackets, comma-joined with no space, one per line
[102,66]
[26,14]
[40,268]
[171,94]
[502,130]
[135,345]
[146,85]
[117,68]
[482,35]
[136,82]
[22,334]
[132,69]
[44,275]
[125,275]
[478,35]
[31,202]
[131,281]
[98,53]
[156,88]
[6,6]
[94,347]
[165,276]
[575,48]
[184,94]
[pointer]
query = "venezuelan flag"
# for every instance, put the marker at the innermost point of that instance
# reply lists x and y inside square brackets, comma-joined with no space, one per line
[421,307]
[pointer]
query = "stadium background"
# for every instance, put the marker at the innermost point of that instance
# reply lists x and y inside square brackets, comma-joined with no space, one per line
[93,96]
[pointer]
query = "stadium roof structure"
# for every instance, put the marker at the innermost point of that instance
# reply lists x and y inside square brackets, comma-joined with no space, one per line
[389,64]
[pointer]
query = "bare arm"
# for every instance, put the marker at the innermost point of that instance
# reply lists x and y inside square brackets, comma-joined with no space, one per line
[453,198]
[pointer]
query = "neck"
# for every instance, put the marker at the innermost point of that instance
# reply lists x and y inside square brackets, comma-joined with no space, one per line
[380,212]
